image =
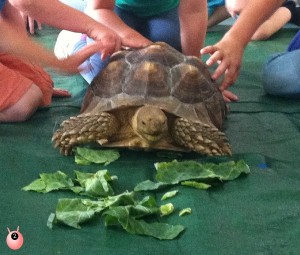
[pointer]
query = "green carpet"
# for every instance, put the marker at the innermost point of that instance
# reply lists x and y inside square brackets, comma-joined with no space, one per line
[254,214]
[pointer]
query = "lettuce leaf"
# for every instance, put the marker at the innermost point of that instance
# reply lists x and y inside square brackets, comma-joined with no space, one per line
[74,212]
[175,172]
[123,217]
[95,184]
[190,172]
[49,182]
[86,156]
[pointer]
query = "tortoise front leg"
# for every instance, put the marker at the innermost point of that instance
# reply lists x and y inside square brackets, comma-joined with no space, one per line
[200,137]
[85,128]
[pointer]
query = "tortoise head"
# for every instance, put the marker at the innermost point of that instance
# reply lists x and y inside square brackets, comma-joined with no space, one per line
[150,123]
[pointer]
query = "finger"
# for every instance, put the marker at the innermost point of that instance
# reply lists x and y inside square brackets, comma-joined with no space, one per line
[31,25]
[228,95]
[216,57]
[39,25]
[104,55]
[220,70]
[118,44]
[60,93]
[230,77]
[24,17]
[208,50]
[226,99]
[82,55]
[132,43]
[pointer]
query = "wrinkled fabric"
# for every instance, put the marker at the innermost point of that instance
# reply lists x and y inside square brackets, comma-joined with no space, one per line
[17,76]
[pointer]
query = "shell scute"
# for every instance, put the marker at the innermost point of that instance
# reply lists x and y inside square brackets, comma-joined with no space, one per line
[161,76]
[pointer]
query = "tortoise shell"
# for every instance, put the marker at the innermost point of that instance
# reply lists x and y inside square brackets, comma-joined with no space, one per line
[157,75]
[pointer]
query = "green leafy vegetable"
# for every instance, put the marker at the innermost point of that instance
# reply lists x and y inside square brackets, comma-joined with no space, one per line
[73,212]
[91,184]
[85,156]
[197,185]
[49,182]
[122,216]
[95,185]
[169,194]
[124,209]
[149,185]
[175,172]
[51,220]
[189,172]
[166,209]
[185,211]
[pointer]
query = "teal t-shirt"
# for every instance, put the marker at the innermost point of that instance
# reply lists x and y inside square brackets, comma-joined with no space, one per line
[145,8]
[2,2]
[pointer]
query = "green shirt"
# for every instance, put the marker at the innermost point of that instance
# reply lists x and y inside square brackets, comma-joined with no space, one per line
[144,8]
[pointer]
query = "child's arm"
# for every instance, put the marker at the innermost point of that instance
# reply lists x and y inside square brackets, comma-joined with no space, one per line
[19,44]
[103,12]
[59,15]
[193,25]
[229,50]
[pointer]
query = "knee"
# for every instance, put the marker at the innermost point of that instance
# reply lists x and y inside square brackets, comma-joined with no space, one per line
[270,80]
[276,80]
[24,108]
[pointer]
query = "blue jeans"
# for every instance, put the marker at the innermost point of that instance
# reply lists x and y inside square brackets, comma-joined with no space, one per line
[164,27]
[281,72]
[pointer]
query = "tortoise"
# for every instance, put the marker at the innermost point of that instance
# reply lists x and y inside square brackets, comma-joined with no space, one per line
[150,98]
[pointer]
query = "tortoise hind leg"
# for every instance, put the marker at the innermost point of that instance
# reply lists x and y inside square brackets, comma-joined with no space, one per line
[200,137]
[84,128]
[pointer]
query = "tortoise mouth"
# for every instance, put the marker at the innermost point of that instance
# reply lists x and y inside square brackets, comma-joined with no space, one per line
[151,138]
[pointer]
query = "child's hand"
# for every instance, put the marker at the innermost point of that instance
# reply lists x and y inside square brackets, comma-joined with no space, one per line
[229,96]
[228,54]
[134,40]
[72,64]
[109,41]
[31,24]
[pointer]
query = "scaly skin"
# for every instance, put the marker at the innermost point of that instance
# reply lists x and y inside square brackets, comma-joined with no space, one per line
[84,129]
[200,137]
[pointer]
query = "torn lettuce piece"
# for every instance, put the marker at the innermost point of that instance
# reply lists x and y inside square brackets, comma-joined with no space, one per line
[175,172]
[49,182]
[87,156]
[73,212]
[189,173]
[51,220]
[95,184]
[169,194]
[82,161]
[185,211]
[122,216]
[197,185]
[166,209]
[149,185]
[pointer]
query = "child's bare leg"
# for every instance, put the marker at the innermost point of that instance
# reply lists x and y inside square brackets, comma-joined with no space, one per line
[218,16]
[25,107]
